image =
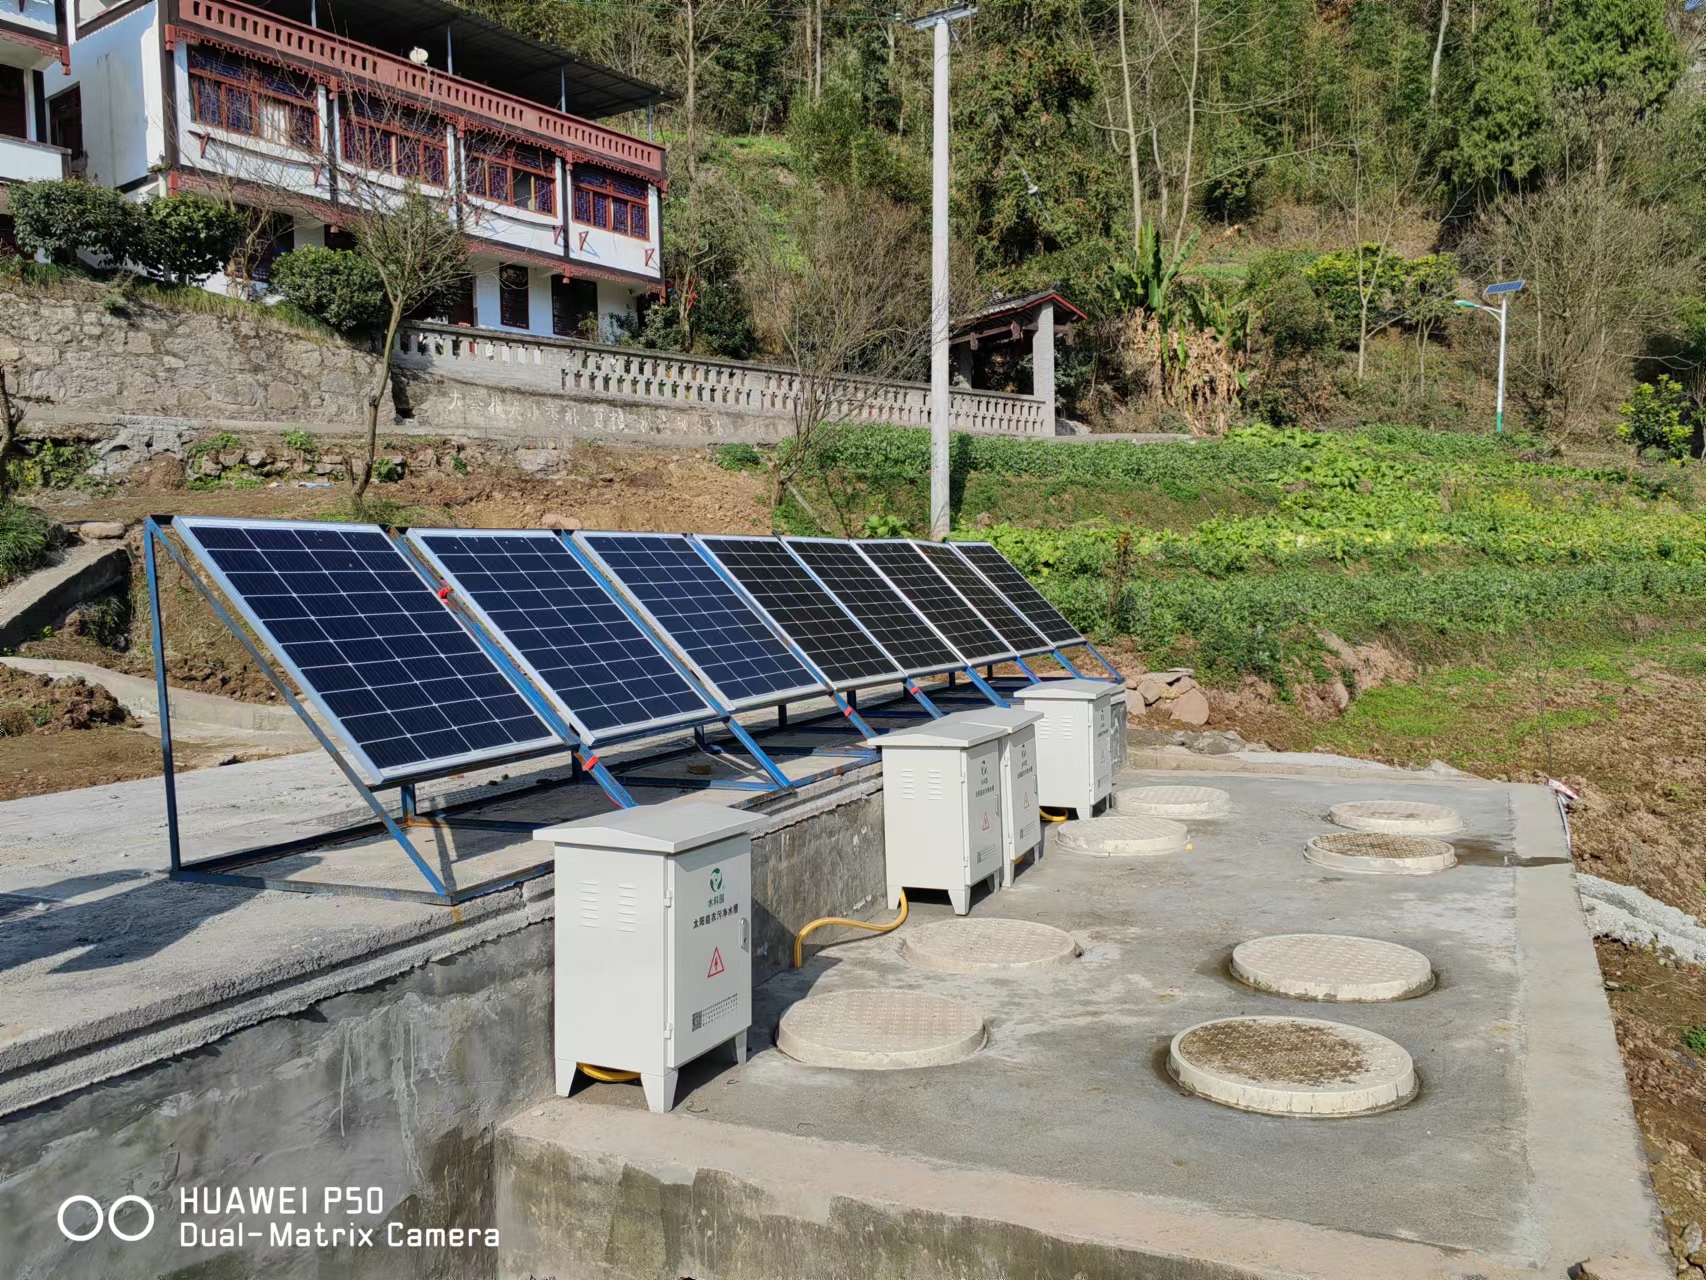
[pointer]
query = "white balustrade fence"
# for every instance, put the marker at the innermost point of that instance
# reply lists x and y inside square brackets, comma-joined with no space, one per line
[676,381]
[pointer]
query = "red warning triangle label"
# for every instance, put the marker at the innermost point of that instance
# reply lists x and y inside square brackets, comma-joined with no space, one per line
[716,962]
[986,822]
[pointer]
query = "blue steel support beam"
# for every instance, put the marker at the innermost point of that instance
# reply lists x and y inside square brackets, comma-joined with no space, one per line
[1065,662]
[151,531]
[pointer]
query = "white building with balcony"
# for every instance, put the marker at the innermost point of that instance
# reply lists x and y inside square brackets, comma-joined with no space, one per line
[307,108]
[34,56]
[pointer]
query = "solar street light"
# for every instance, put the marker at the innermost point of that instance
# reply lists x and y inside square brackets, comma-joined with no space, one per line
[1502,291]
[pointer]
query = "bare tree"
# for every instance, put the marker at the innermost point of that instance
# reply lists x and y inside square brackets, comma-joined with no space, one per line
[417,250]
[845,302]
[701,33]
[1603,270]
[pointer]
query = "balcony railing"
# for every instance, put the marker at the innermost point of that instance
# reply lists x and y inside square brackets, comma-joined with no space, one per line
[314,50]
[628,374]
[22,161]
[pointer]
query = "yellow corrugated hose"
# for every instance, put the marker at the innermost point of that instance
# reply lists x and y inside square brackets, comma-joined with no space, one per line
[608,1077]
[890,927]
[1051,817]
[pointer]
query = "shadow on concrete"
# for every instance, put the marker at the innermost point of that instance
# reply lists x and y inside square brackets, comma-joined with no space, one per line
[112,930]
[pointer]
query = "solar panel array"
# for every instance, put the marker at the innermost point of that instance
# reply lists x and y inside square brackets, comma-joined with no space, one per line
[368,643]
[1007,621]
[722,639]
[884,612]
[804,612]
[411,691]
[565,629]
[934,597]
[1024,597]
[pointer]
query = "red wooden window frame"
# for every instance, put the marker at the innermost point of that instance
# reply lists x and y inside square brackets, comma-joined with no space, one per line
[511,173]
[514,297]
[233,93]
[395,140]
[612,202]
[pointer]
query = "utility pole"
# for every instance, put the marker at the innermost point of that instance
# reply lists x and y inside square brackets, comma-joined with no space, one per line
[1502,291]
[941,412]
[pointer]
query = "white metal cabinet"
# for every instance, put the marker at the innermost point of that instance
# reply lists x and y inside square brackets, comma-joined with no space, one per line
[654,940]
[1074,741]
[942,826]
[1021,825]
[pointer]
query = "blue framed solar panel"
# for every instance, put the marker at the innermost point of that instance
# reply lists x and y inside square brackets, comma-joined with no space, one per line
[801,609]
[390,668]
[905,569]
[990,604]
[1002,574]
[563,628]
[723,641]
[905,634]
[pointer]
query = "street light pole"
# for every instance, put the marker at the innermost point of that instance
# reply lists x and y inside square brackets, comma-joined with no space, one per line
[1503,291]
[941,411]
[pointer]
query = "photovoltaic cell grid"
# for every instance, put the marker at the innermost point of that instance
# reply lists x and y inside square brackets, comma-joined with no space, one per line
[570,635]
[1024,597]
[1006,620]
[365,638]
[722,638]
[804,611]
[886,614]
[931,594]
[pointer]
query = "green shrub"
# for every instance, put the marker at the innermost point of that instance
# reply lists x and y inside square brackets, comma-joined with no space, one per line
[187,237]
[886,526]
[61,218]
[1695,1039]
[299,442]
[333,285]
[1658,416]
[26,537]
[387,470]
[49,464]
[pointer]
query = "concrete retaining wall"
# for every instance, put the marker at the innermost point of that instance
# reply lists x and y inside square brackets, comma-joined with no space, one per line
[399,1086]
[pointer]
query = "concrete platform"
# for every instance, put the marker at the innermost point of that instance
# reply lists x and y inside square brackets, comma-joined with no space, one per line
[106,965]
[1064,1149]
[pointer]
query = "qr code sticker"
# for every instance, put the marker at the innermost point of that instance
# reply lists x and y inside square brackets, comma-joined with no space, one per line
[698,1019]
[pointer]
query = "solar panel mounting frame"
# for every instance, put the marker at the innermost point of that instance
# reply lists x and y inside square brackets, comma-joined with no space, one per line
[244,867]
[708,712]
[728,705]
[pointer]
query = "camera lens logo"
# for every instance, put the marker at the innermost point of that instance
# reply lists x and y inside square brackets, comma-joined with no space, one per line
[107,1218]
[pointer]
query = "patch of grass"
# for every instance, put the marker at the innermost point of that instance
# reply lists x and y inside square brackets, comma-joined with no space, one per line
[1695,1039]
[737,457]
[26,539]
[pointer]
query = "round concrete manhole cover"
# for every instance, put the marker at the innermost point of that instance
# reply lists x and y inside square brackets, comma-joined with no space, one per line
[1396,817]
[974,946]
[1121,836]
[1173,802]
[1370,853]
[1292,1066]
[1331,966]
[876,1030]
